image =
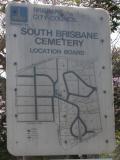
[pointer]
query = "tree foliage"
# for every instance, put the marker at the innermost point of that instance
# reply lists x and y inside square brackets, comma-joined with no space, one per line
[116,85]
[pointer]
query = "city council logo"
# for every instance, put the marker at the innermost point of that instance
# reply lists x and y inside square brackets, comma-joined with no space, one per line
[18,14]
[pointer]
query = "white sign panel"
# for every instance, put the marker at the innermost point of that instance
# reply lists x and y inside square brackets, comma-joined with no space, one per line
[59,80]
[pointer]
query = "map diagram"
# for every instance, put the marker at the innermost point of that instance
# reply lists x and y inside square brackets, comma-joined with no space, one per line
[61,91]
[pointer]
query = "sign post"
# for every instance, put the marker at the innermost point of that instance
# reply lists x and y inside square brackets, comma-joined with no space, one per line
[59,81]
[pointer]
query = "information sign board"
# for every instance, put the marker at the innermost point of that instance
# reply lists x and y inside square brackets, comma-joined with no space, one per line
[59,80]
